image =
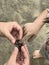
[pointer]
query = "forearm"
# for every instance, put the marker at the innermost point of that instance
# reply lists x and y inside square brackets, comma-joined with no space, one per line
[39,22]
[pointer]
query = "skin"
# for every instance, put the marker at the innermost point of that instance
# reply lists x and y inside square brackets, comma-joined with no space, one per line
[30,28]
[37,54]
[13,59]
[34,27]
[6,29]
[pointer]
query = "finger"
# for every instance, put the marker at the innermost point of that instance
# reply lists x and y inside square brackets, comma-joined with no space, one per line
[17,64]
[20,33]
[24,52]
[26,60]
[10,37]
[14,54]
[17,26]
[26,49]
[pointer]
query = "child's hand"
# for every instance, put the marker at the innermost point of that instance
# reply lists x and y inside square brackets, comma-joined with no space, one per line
[30,29]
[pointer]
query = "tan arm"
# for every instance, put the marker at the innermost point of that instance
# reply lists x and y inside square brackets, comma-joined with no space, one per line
[39,22]
[31,29]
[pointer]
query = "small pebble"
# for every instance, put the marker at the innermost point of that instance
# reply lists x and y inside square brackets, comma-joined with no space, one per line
[19,44]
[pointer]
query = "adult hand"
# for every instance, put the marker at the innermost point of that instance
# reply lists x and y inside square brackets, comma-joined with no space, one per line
[11,30]
[12,60]
[14,57]
[26,60]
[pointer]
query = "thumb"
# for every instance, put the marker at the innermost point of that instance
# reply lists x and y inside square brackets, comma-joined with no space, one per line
[14,54]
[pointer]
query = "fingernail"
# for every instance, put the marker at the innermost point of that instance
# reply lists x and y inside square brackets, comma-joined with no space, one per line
[16,48]
[13,41]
